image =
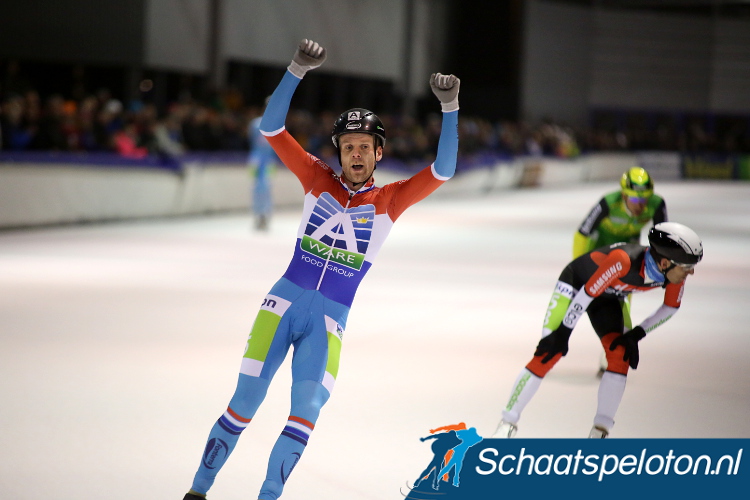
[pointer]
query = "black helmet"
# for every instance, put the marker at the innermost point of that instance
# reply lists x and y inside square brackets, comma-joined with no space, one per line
[358,120]
[676,242]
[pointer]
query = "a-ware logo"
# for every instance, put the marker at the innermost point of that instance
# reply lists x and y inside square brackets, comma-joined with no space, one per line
[342,236]
[442,476]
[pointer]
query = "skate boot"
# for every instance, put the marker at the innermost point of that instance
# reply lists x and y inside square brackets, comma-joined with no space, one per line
[505,430]
[194,496]
[598,432]
[262,223]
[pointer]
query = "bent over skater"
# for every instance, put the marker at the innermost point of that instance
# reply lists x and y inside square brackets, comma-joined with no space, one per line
[597,283]
[345,220]
[620,217]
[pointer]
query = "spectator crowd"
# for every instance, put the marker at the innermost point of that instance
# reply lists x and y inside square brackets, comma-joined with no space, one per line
[99,122]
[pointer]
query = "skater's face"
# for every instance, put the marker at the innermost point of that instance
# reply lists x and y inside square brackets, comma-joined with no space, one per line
[635,205]
[679,272]
[358,158]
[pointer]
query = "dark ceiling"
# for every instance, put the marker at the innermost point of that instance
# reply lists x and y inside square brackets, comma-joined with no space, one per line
[704,8]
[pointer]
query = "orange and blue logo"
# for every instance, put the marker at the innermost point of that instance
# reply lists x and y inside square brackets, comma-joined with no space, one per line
[442,475]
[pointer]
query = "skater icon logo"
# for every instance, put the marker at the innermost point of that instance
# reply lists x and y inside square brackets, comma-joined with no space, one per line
[442,476]
[216,448]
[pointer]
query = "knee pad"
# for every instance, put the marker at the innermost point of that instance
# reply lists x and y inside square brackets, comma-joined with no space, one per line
[540,369]
[615,363]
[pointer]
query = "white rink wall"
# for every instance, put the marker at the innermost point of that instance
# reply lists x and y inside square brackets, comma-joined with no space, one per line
[34,194]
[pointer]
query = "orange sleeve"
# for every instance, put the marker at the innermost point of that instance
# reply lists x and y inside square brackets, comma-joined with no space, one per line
[412,190]
[613,267]
[673,294]
[302,164]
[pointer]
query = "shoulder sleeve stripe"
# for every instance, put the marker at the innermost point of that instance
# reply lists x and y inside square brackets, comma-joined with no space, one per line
[273,133]
[437,175]
[593,219]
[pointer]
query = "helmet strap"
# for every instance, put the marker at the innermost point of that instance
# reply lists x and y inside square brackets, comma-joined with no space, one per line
[664,272]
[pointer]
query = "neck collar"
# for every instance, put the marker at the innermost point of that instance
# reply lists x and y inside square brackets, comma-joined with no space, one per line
[365,187]
[652,274]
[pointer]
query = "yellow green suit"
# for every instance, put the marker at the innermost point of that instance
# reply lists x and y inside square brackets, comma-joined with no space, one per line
[609,221]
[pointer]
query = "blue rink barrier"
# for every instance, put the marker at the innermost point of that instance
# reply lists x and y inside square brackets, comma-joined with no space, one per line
[632,469]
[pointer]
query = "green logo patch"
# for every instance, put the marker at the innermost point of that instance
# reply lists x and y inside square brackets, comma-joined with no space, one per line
[343,257]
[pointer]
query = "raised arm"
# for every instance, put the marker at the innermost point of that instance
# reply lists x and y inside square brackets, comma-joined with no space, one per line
[309,55]
[427,180]
[445,87]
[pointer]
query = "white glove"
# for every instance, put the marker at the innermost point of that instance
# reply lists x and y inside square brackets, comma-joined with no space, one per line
[309,56]
[445,87]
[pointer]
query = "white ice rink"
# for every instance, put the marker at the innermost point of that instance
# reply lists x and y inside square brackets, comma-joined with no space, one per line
[121,343]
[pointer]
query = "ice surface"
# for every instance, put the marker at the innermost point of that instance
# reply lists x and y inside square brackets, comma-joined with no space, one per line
[121,344]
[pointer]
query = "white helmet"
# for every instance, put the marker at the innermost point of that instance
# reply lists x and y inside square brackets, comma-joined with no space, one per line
[676,242]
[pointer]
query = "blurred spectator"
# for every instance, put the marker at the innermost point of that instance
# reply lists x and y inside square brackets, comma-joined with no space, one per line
[86,130]
[17,132]
[100,122]
[195,129]
[167,134]
[51,135]
[126,142]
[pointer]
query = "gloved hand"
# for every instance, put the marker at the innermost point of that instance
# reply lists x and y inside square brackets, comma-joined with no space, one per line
[445,87]
[309,56]
[629,340]
[554,343]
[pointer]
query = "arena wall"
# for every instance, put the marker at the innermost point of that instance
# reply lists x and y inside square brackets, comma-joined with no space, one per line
[34,194]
